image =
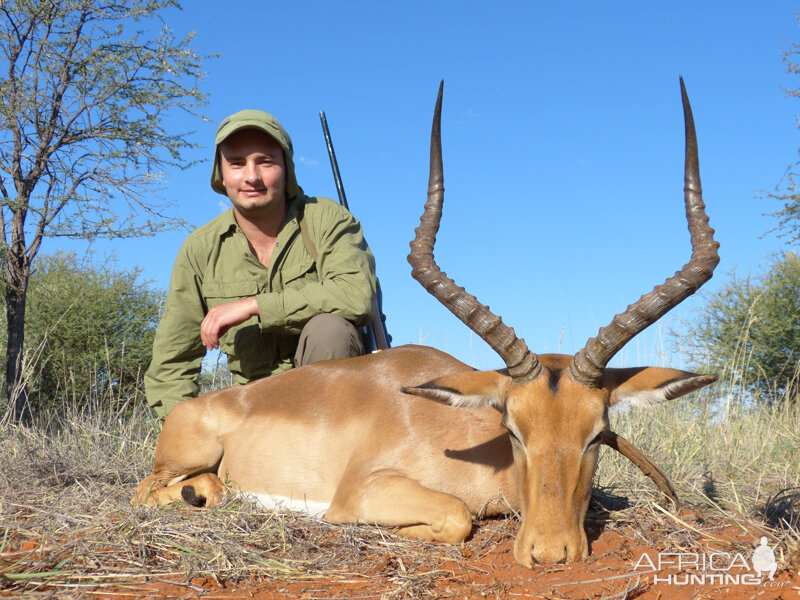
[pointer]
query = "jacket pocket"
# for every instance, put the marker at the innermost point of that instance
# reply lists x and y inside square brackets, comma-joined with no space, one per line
[298,274]
[221,292]
[244,340]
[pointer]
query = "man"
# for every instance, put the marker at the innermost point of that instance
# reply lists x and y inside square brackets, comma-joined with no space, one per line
[277,281]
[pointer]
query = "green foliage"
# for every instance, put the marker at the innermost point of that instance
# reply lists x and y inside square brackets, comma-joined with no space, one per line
[750,328]
[90,331]
[787,192]
[85,89]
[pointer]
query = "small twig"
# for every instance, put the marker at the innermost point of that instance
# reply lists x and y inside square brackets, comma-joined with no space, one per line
[602,579]
[194,588]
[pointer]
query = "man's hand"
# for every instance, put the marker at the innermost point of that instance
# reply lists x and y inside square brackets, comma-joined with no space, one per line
[221,318]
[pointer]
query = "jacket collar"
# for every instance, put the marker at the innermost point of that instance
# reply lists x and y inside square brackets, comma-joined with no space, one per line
[227,220]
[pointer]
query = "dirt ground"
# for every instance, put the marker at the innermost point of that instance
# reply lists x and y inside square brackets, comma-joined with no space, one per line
[620,566]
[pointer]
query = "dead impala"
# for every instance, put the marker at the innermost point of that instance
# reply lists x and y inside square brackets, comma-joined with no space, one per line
[413,439]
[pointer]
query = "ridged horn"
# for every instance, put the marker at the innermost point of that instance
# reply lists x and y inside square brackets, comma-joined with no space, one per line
[587,365]
[523,365]
[641,460]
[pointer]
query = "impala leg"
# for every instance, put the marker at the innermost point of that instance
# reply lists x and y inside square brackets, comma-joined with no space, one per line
[391,499]
[187,455]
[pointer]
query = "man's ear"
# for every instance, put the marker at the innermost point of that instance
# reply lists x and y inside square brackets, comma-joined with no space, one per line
[647,386]
[468,390]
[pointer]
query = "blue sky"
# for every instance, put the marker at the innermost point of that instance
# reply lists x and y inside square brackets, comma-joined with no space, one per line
[562,135]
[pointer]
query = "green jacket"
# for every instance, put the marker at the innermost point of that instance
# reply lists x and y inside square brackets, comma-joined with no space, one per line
[215,266]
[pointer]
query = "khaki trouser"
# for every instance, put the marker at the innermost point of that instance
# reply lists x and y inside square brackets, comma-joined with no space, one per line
[327,336]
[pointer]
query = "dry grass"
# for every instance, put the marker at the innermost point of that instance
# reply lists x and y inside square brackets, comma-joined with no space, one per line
[66,525]
[726,453]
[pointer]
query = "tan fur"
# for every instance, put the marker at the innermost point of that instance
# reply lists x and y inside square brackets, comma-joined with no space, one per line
[343,433]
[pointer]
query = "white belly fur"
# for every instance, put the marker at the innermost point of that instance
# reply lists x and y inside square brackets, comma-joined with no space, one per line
[300,505]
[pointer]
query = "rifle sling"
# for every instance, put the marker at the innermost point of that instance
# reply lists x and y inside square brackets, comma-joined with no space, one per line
[306,237]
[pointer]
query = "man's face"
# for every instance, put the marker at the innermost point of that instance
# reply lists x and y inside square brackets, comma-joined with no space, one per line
[254,173]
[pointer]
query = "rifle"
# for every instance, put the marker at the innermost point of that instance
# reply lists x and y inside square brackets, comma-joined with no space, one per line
[375,335]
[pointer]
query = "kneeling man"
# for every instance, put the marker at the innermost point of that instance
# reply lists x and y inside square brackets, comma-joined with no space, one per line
[279,280]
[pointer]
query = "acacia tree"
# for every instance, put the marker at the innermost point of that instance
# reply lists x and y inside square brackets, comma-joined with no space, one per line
[750,330]
[86,86]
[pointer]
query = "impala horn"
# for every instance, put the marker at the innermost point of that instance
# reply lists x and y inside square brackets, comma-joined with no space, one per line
[641,460]
[523,365]
[587,366]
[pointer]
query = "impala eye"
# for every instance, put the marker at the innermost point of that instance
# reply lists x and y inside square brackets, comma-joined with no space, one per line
[516,442]
[511,432]
[596,440]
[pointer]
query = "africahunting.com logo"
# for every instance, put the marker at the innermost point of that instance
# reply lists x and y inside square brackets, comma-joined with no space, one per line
[713,568]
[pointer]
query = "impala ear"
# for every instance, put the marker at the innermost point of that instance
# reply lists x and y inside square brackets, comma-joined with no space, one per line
[473,389]
[647,386]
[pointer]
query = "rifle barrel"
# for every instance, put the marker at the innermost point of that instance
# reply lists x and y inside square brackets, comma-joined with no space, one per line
[337,178]
[377,328]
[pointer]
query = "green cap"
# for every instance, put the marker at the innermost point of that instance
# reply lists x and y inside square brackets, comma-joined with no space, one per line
[263,121]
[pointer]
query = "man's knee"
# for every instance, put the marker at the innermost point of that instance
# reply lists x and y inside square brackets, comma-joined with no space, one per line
[327,336]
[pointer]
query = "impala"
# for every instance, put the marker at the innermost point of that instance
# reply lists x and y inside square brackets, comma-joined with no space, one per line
[413,439]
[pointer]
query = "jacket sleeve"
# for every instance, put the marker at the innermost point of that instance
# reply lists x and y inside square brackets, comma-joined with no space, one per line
[178,350]
[346,282]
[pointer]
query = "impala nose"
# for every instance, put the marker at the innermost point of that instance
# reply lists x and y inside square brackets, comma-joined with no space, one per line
[561,547]
[550,555]
[550,545]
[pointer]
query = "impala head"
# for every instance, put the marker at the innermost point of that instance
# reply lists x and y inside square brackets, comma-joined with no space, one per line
[555,407]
